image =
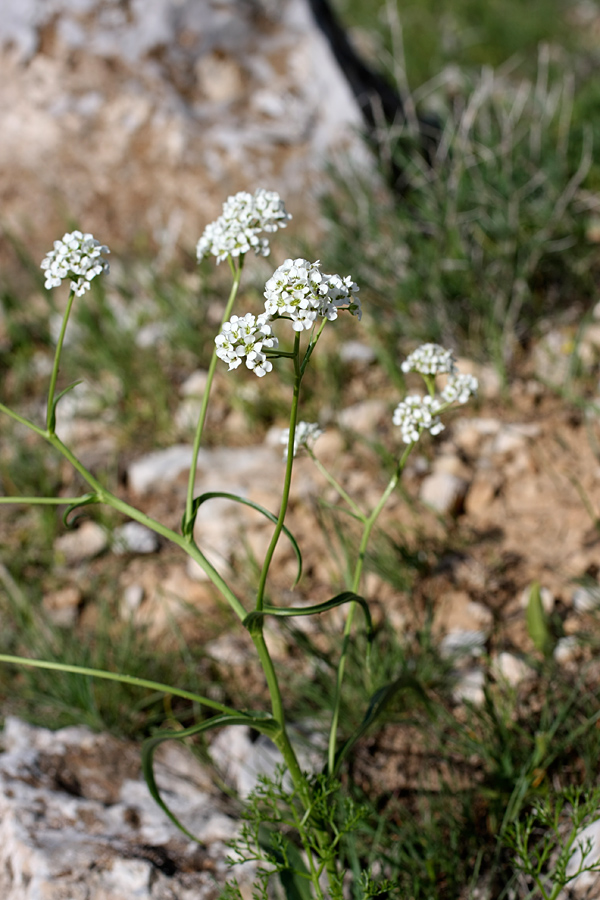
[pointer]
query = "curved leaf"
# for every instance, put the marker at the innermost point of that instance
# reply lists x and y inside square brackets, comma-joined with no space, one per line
[187,526]
[52,422]
[84,500]
[260,722]
[377,705]
[290,611]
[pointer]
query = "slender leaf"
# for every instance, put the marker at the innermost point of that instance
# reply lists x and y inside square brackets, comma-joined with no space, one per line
[52,422]
[84,500]
[258,721]
[225,495]
[377,705]
[292,611]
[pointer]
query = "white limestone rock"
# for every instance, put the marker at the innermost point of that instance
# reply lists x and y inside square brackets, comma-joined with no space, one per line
[78,823]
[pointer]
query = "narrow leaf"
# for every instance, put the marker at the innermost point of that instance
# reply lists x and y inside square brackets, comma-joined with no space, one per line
[84,500]
[377,705]
[52,423]
[537,621]
[291,611]
[258,721]
[210,495]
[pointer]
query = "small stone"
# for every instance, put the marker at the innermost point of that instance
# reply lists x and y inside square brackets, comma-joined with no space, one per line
[511,668]
[87,541]
[132,599]
[566,650]
[443,492]
[133,537]
[586,599]
[580,885]
[470,687]
[159,468]
[62,606]
[463,642]
[357,352]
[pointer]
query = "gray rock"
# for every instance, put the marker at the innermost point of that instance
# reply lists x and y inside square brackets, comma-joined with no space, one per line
[443,491]
[470,687]
[102,837]
[463,642]
[581,884]
[133,537]
[586,599]
[357,352]
[158,468]
[512,669]
[124,109]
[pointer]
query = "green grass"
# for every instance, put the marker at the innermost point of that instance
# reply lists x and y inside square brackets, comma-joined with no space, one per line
[438,33]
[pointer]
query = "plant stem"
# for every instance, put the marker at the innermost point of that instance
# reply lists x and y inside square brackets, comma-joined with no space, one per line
[42,501]
[55,367]
[189,506]
[115,676]
[260,594]
[191,548]
[362,550]
[21,420]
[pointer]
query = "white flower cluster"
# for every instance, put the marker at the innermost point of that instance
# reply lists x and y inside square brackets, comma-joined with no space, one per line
[306,432]
[416,414]
[300,291]
[237,230]
[430,359]
[245,337]
[76,256]
[459,389]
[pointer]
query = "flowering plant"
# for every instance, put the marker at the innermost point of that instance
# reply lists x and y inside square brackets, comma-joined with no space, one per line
[301,294]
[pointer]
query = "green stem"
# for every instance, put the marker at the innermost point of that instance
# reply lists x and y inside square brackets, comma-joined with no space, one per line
[55,367]
[192,549]
[123,679]
[42,501]
[362,550]
[260,594]
[189,505]
[21,420]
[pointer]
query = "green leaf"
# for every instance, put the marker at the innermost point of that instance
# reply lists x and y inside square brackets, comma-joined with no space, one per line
[377,705]
[290,611]
[84,500]
[538,622]
[52,422]
[187,527]
[259,721]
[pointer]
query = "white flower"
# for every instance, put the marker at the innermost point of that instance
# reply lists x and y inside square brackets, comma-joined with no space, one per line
[460,389]
[237,230]
[300,291]
[306,432]
[430,359]
[245,337]
[416,414]
[78,257]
